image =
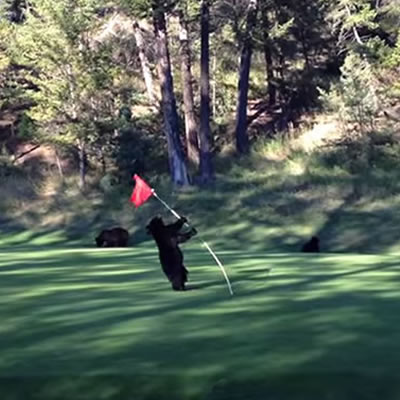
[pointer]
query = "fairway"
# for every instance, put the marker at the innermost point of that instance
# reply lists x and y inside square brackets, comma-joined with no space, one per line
[104,324]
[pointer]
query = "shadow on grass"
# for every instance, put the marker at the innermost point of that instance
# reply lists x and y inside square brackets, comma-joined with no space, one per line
[321,386]
[106,325]
[302,386]
[273,210]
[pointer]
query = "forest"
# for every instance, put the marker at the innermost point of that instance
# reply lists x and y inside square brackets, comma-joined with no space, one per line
[287,101]
[154,86]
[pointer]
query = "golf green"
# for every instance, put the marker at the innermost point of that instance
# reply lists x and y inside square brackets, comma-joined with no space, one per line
[105,324]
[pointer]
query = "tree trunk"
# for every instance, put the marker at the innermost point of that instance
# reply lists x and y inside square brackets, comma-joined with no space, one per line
[176,157]
[144,62]
[188,101]
[354,27]
[269,60]
[242,139]
[206,164]
[15,11]
[304,47]
[281,74]
[103,162]
[82,163]
[59,165]
[214,88]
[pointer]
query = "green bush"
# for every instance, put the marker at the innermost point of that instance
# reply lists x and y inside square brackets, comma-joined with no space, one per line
[26,128]
[354,96]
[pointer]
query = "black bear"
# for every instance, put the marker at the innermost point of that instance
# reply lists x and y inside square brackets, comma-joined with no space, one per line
[115,237]
[312,246]
[167,238]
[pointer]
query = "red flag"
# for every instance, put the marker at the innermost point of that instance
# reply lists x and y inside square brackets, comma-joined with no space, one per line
[141,192]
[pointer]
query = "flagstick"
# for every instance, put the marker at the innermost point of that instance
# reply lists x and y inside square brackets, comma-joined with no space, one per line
[166,205]
[201,240]
[219,264]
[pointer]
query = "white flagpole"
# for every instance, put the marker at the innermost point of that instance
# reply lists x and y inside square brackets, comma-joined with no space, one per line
[204,243]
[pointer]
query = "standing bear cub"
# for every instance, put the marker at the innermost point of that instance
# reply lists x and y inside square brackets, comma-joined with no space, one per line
[115,237]
[167,238]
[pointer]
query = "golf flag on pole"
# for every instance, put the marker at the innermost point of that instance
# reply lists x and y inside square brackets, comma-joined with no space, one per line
[141,192]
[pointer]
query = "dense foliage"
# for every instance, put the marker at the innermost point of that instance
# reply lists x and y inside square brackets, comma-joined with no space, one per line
[94,79]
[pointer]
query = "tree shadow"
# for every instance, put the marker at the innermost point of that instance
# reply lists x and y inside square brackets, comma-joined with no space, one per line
[245,211]
[115,329]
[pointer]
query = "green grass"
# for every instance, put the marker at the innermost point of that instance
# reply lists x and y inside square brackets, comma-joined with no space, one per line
[272,200]
[79,323]
[85,323]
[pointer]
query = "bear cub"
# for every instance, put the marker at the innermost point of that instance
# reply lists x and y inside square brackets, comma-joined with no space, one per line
[167,238]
